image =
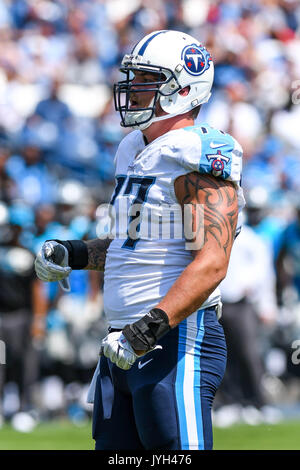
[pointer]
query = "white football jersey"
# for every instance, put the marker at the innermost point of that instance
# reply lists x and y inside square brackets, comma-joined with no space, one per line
[149,250]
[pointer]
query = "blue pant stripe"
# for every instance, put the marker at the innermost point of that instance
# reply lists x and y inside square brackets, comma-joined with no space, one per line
[179,384]
[182,401]
[197,378]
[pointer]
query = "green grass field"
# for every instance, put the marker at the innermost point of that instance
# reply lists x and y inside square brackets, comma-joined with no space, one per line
[283,436]
[65,436]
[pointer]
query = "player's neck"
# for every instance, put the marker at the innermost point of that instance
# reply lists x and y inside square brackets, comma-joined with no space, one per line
[162,127]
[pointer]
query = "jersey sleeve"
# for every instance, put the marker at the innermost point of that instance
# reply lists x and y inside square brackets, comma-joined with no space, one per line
[210,151]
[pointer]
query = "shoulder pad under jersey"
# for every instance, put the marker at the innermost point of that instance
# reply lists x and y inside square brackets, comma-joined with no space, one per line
[211,151]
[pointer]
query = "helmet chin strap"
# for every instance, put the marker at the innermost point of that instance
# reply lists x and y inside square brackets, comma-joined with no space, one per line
[166,116]
[145,125]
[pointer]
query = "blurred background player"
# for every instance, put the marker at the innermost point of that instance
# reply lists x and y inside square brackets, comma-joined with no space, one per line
[288,261]
[23,309]
[249,312]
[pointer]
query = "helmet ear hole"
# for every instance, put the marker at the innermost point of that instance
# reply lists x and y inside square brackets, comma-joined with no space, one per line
[185,91]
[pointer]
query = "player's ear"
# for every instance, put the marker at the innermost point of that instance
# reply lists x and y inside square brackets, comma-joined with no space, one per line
[185,91]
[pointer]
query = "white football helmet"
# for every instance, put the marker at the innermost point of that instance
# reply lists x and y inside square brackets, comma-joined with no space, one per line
[179,60]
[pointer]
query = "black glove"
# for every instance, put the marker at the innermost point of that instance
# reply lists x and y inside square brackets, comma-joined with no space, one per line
[144,333]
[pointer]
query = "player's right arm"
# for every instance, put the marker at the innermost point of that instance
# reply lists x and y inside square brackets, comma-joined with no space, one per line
[54,263]
[57,258]
[97,250]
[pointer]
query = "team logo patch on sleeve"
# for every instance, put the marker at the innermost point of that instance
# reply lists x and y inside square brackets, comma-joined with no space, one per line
[217,162]
[196,59]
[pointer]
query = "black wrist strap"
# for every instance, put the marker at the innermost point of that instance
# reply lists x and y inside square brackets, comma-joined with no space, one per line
[144,333]
[78,253]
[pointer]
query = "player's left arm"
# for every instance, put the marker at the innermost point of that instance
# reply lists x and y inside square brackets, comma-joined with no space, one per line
[214,211]
[216,201]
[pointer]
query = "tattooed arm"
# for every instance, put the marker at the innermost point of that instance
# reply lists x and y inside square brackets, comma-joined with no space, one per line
[97,253]
[216,201]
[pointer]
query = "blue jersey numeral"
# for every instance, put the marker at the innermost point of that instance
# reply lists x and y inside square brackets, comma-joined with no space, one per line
[143,183]
[120,181]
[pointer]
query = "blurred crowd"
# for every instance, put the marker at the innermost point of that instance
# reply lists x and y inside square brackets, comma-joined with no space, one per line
[58,136]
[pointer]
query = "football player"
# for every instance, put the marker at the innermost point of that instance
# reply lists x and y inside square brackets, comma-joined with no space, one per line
[165,353]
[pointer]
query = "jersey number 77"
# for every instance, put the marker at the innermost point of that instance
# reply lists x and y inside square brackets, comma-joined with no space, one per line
[143,184]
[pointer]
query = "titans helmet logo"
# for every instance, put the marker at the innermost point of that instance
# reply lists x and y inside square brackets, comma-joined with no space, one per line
[196,59]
